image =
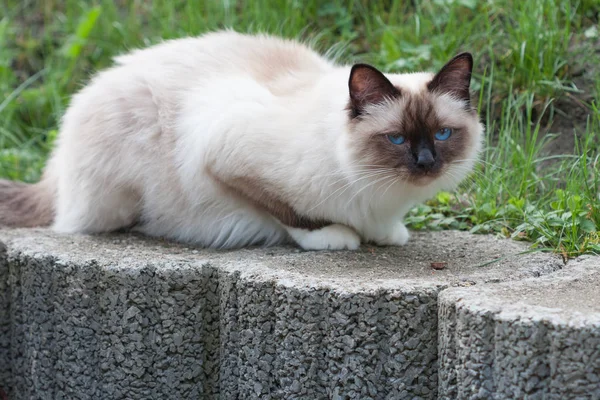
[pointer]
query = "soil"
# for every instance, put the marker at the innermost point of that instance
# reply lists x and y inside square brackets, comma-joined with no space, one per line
[570,112]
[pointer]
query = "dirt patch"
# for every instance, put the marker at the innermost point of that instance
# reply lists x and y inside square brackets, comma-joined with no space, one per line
[569,114]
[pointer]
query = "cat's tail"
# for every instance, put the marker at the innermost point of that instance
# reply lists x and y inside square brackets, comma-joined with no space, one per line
[26,205]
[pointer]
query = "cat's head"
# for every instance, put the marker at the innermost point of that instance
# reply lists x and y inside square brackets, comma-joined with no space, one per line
[419,127]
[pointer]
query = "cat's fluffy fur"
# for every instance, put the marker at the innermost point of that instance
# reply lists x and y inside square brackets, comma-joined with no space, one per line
[230,140]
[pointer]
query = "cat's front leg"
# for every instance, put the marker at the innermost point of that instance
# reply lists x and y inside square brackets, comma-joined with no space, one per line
[310,234]
[330,237]
[390,234]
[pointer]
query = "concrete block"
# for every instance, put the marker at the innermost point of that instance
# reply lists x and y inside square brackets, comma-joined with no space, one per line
[534,339]
[94,317]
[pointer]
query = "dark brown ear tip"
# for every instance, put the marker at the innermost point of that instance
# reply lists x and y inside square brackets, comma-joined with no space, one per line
[464,56]
[454,77]
[361,66]
[361,70]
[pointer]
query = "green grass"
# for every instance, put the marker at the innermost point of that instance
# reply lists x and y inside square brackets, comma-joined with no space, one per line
[537,62]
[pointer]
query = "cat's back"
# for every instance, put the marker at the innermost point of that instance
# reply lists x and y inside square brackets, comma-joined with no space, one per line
[264,58]
[146,90]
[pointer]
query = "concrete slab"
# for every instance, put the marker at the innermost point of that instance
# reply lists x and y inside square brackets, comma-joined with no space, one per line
[127,317]
[470,259]
[536,339]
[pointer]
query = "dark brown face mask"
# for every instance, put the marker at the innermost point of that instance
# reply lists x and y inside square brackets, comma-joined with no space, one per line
[419,144]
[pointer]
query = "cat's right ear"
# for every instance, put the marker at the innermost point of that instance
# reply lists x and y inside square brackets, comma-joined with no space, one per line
[368,86]
[454,78]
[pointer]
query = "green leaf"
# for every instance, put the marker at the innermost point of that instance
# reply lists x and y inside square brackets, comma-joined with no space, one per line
[556,205]
[517,202]
[444,197]
[51,137]
[574,203]
[389,45]
[587,226]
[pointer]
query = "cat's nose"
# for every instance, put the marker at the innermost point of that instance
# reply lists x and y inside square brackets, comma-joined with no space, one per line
[425,159]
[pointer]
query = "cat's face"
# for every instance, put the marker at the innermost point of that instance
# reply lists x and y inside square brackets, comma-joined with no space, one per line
[420,127]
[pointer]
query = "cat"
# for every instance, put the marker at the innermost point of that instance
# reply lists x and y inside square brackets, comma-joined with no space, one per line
[229,140]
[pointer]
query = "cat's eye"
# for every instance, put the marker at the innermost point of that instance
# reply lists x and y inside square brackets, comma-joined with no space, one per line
[396,139]
[443,134]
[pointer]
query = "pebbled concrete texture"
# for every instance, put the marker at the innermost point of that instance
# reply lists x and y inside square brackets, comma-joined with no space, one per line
[535,339]
[5,322]
[121,316]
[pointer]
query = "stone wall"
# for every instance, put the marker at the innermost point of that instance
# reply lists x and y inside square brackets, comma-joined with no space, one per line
[110,317]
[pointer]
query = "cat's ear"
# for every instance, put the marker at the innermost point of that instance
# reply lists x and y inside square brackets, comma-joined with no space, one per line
[367,86]
[454,78]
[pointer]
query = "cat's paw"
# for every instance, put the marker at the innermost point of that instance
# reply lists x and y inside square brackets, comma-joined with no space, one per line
[397,235]
[332,237]
[400,235]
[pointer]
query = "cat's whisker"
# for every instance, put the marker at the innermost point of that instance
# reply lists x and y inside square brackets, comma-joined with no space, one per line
[352,172]
[371,165]
[465,159]
[454,177]
[471,176]
[393,179]
[389,186]
[343,188]
[341,172]
[457,170]
[469,173]
[479,161]
[365,208]
[365,187]
[362,175]
[350,184]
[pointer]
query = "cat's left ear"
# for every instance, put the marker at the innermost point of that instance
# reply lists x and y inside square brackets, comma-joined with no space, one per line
[367,86]
[454,78]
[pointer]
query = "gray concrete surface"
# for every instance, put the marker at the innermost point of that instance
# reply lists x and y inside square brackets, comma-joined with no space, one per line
[535,339]
[126,317]
[5,323]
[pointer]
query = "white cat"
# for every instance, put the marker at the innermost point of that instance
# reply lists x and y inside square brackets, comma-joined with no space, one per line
[231,140]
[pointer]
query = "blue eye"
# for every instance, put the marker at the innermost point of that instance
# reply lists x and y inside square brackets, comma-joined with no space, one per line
[443,134]
[396,139]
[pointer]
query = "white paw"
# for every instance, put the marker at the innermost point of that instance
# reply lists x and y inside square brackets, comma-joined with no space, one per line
[397,235]
[332,237]
[400,235]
